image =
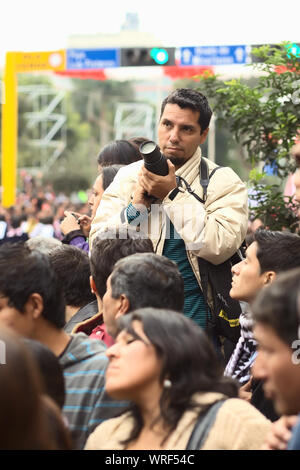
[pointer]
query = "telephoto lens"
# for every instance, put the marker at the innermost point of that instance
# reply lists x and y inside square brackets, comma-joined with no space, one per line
[154,160]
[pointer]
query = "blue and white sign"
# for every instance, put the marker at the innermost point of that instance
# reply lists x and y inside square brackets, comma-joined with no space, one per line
[214,55]
[82,59]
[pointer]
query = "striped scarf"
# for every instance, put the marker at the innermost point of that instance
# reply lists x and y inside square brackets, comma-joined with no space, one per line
[242,358]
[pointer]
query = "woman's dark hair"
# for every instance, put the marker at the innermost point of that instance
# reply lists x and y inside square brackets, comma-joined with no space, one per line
[120,152]
[108,173]
[50,370]
[189,361]
[22,418]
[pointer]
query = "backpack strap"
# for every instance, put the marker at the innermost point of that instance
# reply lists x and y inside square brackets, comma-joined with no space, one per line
[204,181]
[205,177]
[203,426]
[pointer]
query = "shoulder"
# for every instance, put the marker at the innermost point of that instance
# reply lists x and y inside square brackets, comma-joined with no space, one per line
[129,170]
[83,352]
[237,405]
[216,171]
[224,182]
[238,426]
[111,433]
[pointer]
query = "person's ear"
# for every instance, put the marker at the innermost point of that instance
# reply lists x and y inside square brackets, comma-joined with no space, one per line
[34,305]
[124,306]
[93,286]
[270,277]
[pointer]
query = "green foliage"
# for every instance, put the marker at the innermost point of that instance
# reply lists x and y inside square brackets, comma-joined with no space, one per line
[265,119]
[277,212]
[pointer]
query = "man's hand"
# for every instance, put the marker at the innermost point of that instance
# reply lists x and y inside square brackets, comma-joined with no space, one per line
[69,223]
[280,433]
[155,185]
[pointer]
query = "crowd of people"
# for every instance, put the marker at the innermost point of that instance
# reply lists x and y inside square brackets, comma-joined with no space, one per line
[149,318]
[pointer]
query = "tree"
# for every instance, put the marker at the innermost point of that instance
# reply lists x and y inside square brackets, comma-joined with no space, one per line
[265,119]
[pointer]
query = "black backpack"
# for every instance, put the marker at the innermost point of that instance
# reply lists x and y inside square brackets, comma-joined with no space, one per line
[224,317]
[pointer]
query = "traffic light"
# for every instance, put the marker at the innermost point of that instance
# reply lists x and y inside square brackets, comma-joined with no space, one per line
[145,56]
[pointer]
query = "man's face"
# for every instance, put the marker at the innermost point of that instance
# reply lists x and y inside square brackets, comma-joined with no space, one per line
[111,308]
[274,365]
[247,279]
[20,323]
[179,133]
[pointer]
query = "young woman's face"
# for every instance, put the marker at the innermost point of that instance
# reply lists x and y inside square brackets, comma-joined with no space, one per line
[134,368]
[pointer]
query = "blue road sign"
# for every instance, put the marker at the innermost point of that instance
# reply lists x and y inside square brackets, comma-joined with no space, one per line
[214,55]
[82,59]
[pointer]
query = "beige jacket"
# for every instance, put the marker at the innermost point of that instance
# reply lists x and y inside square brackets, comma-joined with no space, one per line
[213,231]
[238,426]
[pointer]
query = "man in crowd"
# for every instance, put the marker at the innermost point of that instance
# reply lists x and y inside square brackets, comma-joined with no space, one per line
[32,304]
[276,313]
[72,267]
[138,281]
[268,255]
[184,222]
[108,247]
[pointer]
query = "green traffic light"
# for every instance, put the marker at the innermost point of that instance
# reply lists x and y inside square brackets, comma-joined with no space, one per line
[160,56]
[293,49]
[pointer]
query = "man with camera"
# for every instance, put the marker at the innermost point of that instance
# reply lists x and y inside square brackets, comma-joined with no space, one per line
[184,224]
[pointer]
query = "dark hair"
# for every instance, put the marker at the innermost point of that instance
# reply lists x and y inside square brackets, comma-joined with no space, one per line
[148,280]
[72,268]
[108,173]
[189,361]
[24,272]
[138,141]
[50,370]
[278,306]
[57,428]
[15,221]
[192,99]
[120,152]
[22,422]
[277,251]
[111,245]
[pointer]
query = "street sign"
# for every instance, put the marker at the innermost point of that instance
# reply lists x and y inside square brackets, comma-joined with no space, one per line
[214,55]
[79,59]
[45,60]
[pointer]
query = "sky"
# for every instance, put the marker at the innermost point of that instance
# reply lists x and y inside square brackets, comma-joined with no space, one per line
[42,25]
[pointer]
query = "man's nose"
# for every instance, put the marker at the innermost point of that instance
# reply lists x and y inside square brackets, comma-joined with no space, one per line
[259,369]
[174,135]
